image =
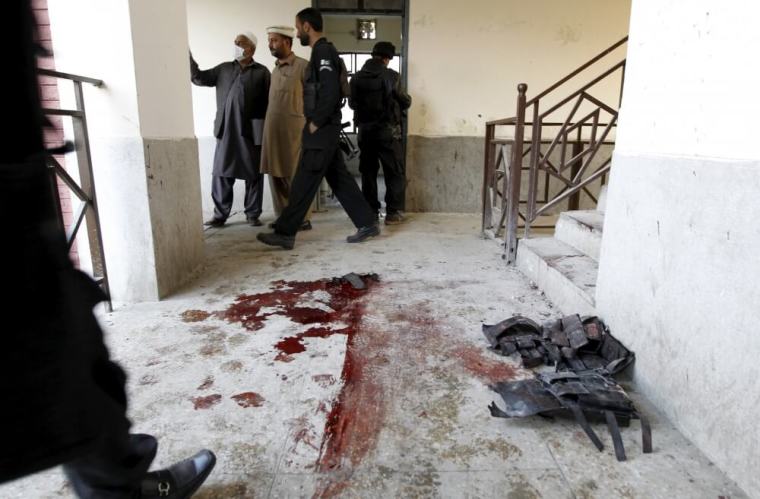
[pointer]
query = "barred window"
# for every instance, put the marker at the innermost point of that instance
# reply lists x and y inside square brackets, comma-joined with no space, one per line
[379,6]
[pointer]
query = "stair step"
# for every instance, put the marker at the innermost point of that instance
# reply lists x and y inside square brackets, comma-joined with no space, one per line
[562,272]
[582,230]
[601,205]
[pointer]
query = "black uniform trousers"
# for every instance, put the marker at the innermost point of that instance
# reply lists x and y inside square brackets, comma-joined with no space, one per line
[115,469]
[221,193]
[315,165]
[386,152]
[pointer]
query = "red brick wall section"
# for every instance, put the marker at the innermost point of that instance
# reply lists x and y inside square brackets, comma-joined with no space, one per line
[50,99]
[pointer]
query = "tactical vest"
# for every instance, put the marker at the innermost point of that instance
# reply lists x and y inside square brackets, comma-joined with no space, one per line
[372,99]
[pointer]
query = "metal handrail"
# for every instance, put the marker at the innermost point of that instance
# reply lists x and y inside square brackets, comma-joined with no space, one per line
[69,76]
[578,70]
[85,189]
[585,87]
[503,168]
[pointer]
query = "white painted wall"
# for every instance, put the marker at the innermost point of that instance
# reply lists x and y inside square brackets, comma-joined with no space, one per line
[679,266]
[102,48]
[142,98]
[159,34]
[689,80]
[467,58]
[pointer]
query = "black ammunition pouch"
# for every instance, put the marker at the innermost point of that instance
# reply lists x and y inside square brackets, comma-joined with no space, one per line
[310,93]
[571,343]
[585,397]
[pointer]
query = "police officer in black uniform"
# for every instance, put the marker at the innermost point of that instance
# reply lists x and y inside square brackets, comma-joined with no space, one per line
[378,103]
[321,156]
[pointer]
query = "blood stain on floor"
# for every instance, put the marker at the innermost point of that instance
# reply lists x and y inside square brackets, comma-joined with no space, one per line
[207,383]
[357,415]
[195,315]
[206,402]
[248,399]
[489,370]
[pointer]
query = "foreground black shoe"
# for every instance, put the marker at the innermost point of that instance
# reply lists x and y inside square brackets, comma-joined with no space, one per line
[254,221]
[180,480]
[364,233]
[274,239]
[215,222]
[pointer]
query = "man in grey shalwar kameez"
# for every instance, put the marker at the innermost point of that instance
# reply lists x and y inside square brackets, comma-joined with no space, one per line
[242,92]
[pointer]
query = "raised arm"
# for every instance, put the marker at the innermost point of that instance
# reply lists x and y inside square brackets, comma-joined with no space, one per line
[404,99]
[203,78]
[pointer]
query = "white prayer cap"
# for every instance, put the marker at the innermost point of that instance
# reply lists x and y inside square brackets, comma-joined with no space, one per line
[282,30]
[250,36]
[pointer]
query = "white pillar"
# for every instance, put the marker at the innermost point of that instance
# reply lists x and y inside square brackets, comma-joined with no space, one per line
[679,266]
[144,152]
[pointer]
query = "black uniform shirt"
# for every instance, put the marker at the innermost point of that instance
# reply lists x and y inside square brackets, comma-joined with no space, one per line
[325,72]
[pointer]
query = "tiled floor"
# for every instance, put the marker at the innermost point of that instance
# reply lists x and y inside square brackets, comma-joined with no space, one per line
[384,394]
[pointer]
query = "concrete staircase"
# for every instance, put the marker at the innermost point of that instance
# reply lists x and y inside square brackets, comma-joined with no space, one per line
[565,266]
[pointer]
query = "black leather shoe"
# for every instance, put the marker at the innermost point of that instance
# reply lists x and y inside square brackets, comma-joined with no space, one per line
[275,239]
[215,222]
[180,480]
[364,233]
[254,221]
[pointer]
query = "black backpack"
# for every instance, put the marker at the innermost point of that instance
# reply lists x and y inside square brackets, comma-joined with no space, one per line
[345,88]
[372,95]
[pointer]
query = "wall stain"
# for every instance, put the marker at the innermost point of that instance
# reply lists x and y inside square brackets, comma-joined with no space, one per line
[567,34]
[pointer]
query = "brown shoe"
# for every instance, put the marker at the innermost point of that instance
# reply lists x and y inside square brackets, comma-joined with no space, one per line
[395,218]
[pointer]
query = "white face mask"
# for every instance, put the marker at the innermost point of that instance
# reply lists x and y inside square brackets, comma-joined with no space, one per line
[239,56]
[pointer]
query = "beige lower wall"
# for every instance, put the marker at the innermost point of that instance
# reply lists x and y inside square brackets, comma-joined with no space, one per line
[174,199]
[445,174]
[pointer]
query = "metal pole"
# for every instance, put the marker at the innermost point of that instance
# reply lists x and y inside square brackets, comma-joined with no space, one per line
[533,172]
[488,172]
[515,172]
[56,199]
[86,181]
[574,202]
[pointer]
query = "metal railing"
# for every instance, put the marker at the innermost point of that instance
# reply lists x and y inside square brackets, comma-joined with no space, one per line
[87,209]
[560,147]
